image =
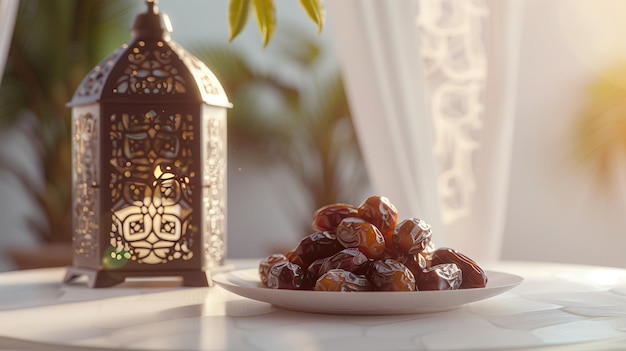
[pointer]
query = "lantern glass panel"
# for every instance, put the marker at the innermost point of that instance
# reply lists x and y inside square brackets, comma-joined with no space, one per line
[85,179]
[154,182]
[214,183]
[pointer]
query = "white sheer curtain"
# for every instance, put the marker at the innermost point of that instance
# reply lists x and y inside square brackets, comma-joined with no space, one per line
[432,86]
[8,12]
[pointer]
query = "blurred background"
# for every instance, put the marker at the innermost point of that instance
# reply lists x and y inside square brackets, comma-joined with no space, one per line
[291,150]
[292,145]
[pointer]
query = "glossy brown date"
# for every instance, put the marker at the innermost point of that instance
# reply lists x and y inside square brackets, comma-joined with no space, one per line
[313,273]
[445,276]
[327,218]
[267,263]
[379,211]
[390,275]
[356,232]
[285,275]
[416,263]
[342,280]
[351,260]
[411,236]
[473,275]
[312,247]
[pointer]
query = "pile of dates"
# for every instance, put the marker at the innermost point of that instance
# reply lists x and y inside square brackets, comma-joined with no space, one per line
[366,248]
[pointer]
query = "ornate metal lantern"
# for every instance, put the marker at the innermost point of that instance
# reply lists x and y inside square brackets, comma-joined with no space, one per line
[149,163]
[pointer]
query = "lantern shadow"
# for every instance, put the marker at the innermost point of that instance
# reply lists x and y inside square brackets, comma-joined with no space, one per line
[46,294]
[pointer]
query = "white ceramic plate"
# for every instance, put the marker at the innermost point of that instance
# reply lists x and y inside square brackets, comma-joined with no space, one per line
[246,283]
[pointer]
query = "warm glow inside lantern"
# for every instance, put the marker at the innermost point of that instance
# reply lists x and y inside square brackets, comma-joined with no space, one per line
[149,163]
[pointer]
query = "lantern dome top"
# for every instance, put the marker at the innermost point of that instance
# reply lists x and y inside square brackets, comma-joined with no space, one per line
[151,67]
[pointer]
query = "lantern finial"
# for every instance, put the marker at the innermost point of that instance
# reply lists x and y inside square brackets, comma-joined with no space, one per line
[151,24]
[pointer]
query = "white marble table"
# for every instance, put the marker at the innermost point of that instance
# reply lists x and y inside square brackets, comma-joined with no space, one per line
[557,306]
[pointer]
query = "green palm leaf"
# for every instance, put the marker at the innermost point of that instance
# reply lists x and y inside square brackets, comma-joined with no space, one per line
[265,13]
[237,17]
[315,9]
[266,19]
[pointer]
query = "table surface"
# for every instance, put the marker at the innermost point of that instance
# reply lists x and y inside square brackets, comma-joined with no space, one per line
[557,306]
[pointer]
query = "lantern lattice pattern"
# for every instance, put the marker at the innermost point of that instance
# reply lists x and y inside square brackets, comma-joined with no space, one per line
[149,163]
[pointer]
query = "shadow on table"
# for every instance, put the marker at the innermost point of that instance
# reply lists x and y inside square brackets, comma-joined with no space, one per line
[44,287]
[23,345]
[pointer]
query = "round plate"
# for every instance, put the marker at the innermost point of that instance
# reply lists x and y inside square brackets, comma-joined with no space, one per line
[246,283]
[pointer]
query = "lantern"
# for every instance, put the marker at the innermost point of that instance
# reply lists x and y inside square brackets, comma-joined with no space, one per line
[149,163]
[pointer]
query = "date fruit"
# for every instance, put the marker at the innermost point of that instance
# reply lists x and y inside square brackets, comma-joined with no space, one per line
[313,272]
[390,275]
[267,263]
[411,236]
[285,275]
[416,263]
[445,276]
[351,260]
[314,246]
[473,275]
[327,218]
[356,232]
[342,280]
[379,211]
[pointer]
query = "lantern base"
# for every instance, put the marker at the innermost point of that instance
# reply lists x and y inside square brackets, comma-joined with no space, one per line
[104,279]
